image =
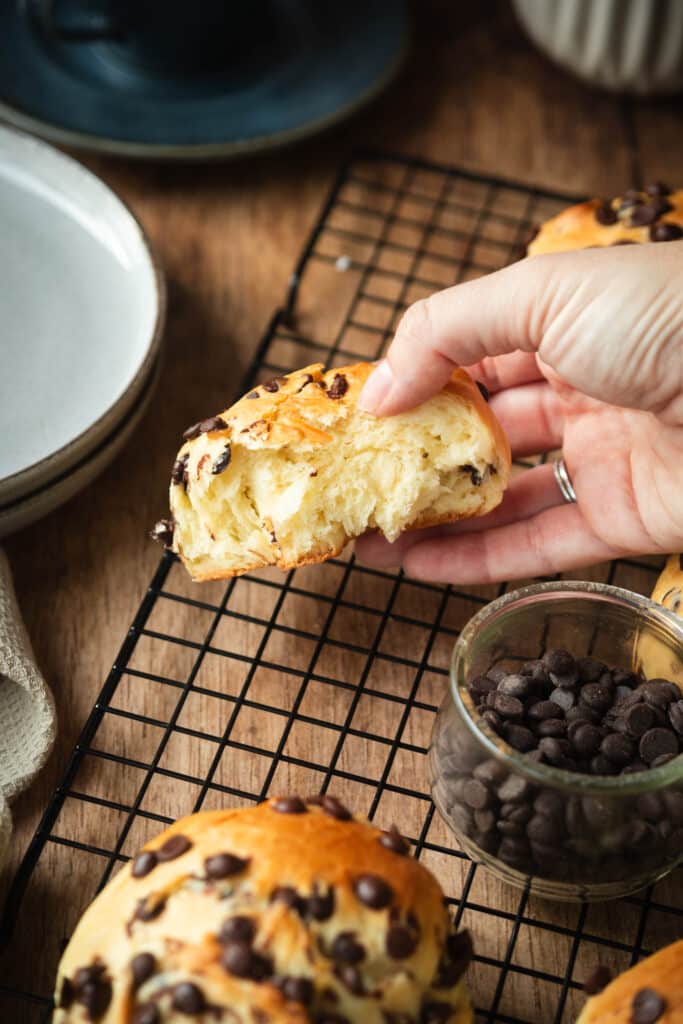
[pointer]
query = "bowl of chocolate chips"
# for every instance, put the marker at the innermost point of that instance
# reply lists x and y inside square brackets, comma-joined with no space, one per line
[555,761]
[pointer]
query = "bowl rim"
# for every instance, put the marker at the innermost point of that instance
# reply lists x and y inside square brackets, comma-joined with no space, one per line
[543,774]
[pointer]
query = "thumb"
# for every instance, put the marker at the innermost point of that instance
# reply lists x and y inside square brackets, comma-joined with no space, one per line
[502,312]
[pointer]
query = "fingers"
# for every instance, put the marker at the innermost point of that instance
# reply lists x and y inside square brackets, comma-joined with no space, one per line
[528,494]
[532,416]
[554,540]
[507,371]
[459,326]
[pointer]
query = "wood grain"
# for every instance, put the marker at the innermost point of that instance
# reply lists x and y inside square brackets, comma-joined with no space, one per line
[474,93]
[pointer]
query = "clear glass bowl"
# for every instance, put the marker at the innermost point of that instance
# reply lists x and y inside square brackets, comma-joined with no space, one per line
[566,835]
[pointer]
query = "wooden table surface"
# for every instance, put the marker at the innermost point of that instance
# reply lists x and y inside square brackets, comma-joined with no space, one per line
[475,93]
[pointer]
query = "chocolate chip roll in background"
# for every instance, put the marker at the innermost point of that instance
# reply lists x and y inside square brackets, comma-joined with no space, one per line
[290,912]
[649,993]
[651,659]
[653,215]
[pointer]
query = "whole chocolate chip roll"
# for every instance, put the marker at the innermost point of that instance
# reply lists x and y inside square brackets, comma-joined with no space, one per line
[293,471]
[289,912]
[649,992]
[634,217]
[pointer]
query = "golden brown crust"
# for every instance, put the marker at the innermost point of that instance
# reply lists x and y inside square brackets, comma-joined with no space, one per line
[282,863]
[291,415]
[662,972]
[578,228]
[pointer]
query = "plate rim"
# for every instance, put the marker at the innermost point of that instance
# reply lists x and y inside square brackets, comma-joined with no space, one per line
[23,480]
[93,462]
[13,118]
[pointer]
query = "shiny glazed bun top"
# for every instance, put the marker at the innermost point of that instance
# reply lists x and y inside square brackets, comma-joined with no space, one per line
[289,912]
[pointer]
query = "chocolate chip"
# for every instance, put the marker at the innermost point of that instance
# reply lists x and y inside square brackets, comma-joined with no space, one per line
[558,661]
[542,829]
[239,928]
[586,738]
[146,1014]
[338,387]
[604,214]
[394,841]
[222,462]
[149,910]
[298,990]
[665,231]
[373,891]
[290,897]
[619,749]
[596,696]
[676,716]
[205,427]
[638,719]
[480,687]
[474,474]
[163,532]
[490,772]
[519,737]
[647,1006]
[507,707]
[288,805]
[514,789]
[351,978]
[590,669]
[188,999]
[543,709]
[475,794]
[330,805]
[645,213]
[174,847]
[321,906]
[142,967]
[563,697]
[93,991]
[483,390]
[272,385]
[555,751]
[657,188]
[242,961]
[66,994]
[223,865]
[655,743]
[659,693]
[493,720]
[346,949]
[597,980]
[515,685]
[144,863]
[601,765]
[253,394]
[555,727]
[179,471]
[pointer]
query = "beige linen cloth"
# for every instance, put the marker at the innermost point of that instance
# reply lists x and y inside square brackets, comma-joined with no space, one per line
[27,712]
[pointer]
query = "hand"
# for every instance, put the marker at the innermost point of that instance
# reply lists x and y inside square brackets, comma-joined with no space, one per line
[581,351]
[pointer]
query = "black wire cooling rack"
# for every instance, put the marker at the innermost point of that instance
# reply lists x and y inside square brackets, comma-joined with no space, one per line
[327,678]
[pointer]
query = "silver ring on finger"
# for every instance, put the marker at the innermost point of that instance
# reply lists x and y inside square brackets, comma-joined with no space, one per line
[564,480]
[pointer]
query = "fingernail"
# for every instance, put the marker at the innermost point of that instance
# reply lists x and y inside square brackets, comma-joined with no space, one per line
[376,388]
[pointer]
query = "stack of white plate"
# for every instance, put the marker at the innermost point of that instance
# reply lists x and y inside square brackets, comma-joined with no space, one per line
[81,314]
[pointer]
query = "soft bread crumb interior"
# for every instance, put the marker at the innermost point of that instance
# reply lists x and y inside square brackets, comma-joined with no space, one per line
[309,498]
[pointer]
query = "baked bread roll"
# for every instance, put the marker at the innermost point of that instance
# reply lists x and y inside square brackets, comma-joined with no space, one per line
[651,659]
[649,993]
[294,470]
[655,215]
[290,912]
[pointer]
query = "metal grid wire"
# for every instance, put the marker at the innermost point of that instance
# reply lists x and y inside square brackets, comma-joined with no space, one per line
[327,678]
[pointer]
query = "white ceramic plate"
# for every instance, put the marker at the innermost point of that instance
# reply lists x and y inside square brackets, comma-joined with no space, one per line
[55,492]
[81,310]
